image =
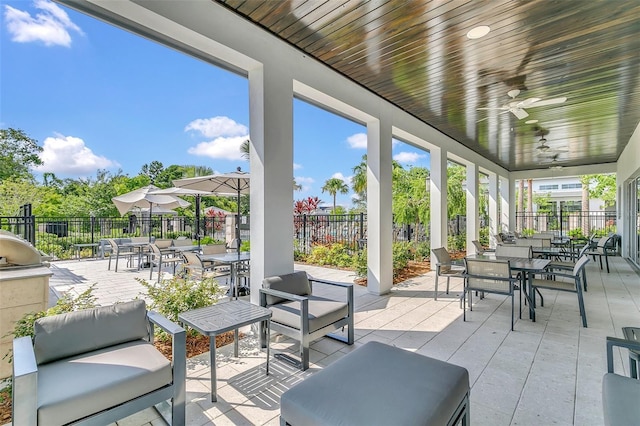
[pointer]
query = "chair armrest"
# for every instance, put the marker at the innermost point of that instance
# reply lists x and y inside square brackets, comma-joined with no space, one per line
[556,274]
[282,294]
[162,322]
[25,383]
[178,352]
[623,343]
[347,286]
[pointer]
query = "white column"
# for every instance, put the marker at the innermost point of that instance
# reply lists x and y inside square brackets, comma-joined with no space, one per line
[494,220]
[271,126]
[438,194]
[508,208]
[379,213]
[473,217]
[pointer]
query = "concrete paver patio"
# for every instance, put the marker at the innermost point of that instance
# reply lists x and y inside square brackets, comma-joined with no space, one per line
[547,372]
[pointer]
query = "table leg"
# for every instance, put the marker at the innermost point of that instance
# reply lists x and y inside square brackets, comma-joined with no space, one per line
[212,354]
[268,342]
[532,298]
[235,343]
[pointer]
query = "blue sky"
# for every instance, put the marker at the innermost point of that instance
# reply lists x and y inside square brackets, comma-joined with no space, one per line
[97,97]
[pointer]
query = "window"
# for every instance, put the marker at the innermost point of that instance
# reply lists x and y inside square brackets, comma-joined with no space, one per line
[571,185]
[547,187]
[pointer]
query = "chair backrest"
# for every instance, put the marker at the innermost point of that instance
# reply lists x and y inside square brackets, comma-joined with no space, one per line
[113,244]
[182,243]
[294,283]
[523,252]
[499,239]
[443,259]
[64,335]
[478,246]
[192,259]
[214,249]
[163,243]
[582,261]
[550,235]
[141,239]
[489,275]
[155,249]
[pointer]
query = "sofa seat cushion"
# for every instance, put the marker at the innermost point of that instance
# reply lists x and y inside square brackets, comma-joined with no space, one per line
[620,399]
[322,312]
[72,388]
[417,390]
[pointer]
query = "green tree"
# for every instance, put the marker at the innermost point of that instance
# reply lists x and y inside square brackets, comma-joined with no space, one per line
[359,181]
[18,153]
[456,195]
[152,170]
[410,196]
[334,186]
[194,171]
[17,192]
[165,178]
[601,186]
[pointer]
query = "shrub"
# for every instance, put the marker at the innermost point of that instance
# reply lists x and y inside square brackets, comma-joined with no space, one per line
[401,256]
[360,264]
[209,240]
[576,233]
[457,242]
[422,251]
[173,296]
[336,254]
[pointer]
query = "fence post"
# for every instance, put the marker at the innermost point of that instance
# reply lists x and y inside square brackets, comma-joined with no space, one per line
[304,231]
[361,229]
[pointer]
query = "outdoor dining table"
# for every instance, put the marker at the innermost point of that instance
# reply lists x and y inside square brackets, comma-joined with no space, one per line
[231,259]
[528,268]
[137,246]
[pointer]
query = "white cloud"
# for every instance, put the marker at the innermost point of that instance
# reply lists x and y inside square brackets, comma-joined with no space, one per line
[51,25]
[70,155]
[304,182]
[218,126]
[226,148]
[297,166]
[408,157]
[358,141]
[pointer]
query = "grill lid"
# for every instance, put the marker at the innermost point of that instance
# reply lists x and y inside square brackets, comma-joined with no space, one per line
[17,252]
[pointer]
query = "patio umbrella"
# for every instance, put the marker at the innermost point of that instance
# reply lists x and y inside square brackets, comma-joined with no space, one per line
[186,191]
[141,198]
[234,183]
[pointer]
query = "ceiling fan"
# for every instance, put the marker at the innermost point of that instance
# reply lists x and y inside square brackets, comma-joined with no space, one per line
[553,164]
[543,148]
[517,107]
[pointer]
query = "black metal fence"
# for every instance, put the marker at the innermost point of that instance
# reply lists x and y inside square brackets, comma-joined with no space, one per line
[567,222]
[56,236]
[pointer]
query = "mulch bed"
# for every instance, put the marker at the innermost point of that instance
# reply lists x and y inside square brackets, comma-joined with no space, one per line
[196,345]
[5,407]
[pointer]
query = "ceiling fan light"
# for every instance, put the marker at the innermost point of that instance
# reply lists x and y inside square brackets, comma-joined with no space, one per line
[478,32]
[531,122]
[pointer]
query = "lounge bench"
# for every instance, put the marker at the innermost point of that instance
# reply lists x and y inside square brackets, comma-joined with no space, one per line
[378,384]
[96,366]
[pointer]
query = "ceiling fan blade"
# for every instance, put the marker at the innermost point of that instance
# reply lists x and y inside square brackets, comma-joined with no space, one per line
[493,109]
[545,102]
[520,113]
[488,117]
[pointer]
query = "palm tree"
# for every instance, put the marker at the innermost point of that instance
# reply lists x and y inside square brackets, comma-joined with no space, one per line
[333,186]
[359,180]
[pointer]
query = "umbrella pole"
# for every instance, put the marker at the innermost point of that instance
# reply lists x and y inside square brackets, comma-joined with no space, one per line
[150,221]
[238,221]
[198,219]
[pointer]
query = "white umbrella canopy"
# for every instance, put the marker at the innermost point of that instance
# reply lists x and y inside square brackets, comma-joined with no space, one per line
[141,198]
[233,183]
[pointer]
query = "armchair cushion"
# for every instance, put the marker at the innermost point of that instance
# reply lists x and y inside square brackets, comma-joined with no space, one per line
[76,387]
[66,335]
[322,312]
[295,283]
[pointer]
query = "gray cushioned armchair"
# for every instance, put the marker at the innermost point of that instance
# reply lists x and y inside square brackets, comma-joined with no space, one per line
[620,394]
[97,366]
[299,314]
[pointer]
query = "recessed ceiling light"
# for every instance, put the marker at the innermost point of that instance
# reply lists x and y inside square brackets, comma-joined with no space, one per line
[531,122]
[478,32]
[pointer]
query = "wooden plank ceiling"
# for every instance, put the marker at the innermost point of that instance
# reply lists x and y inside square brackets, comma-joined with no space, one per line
[416,55]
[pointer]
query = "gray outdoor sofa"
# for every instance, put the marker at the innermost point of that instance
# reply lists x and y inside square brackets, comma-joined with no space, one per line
[96,366]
